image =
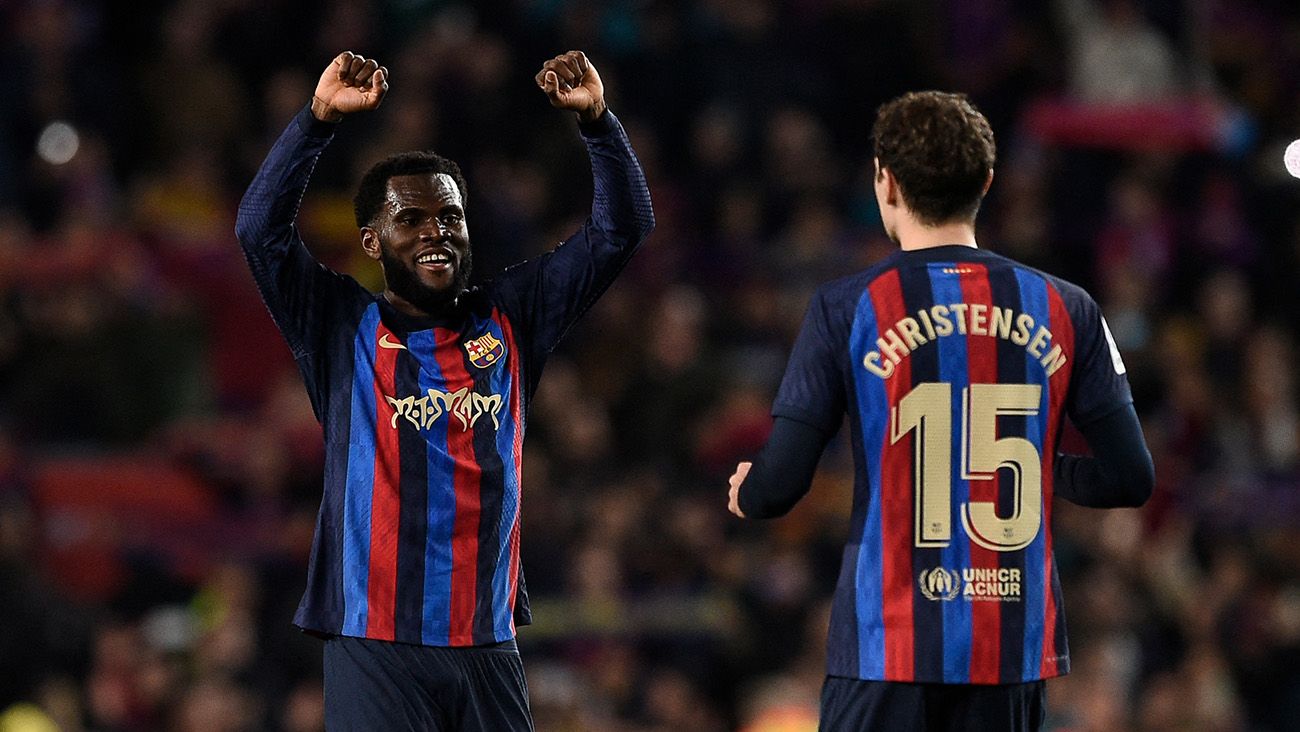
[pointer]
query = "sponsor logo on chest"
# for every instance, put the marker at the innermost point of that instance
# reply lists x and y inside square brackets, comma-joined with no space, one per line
[971,584]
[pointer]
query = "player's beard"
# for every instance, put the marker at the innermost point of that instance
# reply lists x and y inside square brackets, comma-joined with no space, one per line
[403,280]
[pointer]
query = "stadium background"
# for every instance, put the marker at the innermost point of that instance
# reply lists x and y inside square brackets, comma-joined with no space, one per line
[160,466]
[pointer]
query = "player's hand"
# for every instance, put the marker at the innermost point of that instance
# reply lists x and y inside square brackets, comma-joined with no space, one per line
[735,480]
[349,84]
[571,82]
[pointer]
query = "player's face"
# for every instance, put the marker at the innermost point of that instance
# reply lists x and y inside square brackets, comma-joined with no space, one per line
[421,239]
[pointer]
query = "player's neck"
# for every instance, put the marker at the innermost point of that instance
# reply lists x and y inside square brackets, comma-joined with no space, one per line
[913,235]
[428,309]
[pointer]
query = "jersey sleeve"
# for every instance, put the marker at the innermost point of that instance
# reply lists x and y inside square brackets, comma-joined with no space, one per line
[296,288]
[812,390]
[1099,382]
[550,292]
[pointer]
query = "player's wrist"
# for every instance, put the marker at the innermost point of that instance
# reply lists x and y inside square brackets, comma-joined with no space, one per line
[323,111]
[594,112]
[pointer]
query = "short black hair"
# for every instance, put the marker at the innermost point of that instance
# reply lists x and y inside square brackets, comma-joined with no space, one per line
[374,184]
[940,149]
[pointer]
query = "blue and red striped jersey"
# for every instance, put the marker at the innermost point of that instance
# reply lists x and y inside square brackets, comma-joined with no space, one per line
[417,539]
[956,367]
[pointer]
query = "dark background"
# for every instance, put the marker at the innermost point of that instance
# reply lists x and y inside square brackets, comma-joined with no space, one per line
[160,465]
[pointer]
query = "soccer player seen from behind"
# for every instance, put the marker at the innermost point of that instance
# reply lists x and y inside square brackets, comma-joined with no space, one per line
[422,392]
[956,367]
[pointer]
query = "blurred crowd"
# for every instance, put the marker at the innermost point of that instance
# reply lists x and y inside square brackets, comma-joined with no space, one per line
[160,466]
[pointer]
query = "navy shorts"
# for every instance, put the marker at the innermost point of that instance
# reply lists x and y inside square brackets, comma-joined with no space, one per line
[380,685]
[852,705]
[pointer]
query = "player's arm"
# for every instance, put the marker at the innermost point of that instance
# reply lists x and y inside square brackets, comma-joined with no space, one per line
[621,214]
[808,410]
[781,474]
[556,288]
[1119,474]
[286,273]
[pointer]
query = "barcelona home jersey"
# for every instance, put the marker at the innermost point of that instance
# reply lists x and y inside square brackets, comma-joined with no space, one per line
[417,539]
[956,367]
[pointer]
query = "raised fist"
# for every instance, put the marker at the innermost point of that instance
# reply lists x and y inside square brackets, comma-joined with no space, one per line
[349,84]
[571,82]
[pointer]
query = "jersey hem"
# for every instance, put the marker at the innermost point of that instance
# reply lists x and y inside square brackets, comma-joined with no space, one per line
[858,677]
[327,630]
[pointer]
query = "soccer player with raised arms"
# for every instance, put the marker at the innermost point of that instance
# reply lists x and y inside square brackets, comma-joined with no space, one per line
[422,391]
[956,367]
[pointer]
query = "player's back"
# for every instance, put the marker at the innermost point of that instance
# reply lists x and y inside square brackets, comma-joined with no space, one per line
[956,367]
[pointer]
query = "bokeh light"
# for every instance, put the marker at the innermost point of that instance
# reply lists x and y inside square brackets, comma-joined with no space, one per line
[58,143]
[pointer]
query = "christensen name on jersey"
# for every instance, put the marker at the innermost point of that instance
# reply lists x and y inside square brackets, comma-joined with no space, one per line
[961,318]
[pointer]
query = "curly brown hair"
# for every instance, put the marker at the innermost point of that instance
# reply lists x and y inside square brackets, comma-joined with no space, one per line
[940,149]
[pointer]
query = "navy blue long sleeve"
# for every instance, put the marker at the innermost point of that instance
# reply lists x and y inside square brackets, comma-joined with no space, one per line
[783,471]
[563,283]
[1119,474]
[291,281]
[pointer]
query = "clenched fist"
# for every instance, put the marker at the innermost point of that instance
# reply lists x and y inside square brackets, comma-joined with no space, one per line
[571,82]
[349,84]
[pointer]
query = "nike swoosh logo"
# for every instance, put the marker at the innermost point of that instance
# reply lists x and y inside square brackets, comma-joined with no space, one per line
[385,343]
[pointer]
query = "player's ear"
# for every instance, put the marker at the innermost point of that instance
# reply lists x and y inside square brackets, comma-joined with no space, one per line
[370,242]
[987,183]
[887,184]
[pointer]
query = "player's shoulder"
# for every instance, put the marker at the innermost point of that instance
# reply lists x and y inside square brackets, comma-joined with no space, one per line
[1072,295]
[492,299]
[501,291]
[1075,298]
[850,288]
[339,293]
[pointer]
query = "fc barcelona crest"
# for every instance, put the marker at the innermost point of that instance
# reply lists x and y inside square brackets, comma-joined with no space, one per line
[484,350]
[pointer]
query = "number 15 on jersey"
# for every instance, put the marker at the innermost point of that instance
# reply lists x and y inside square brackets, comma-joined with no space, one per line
[928,410]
